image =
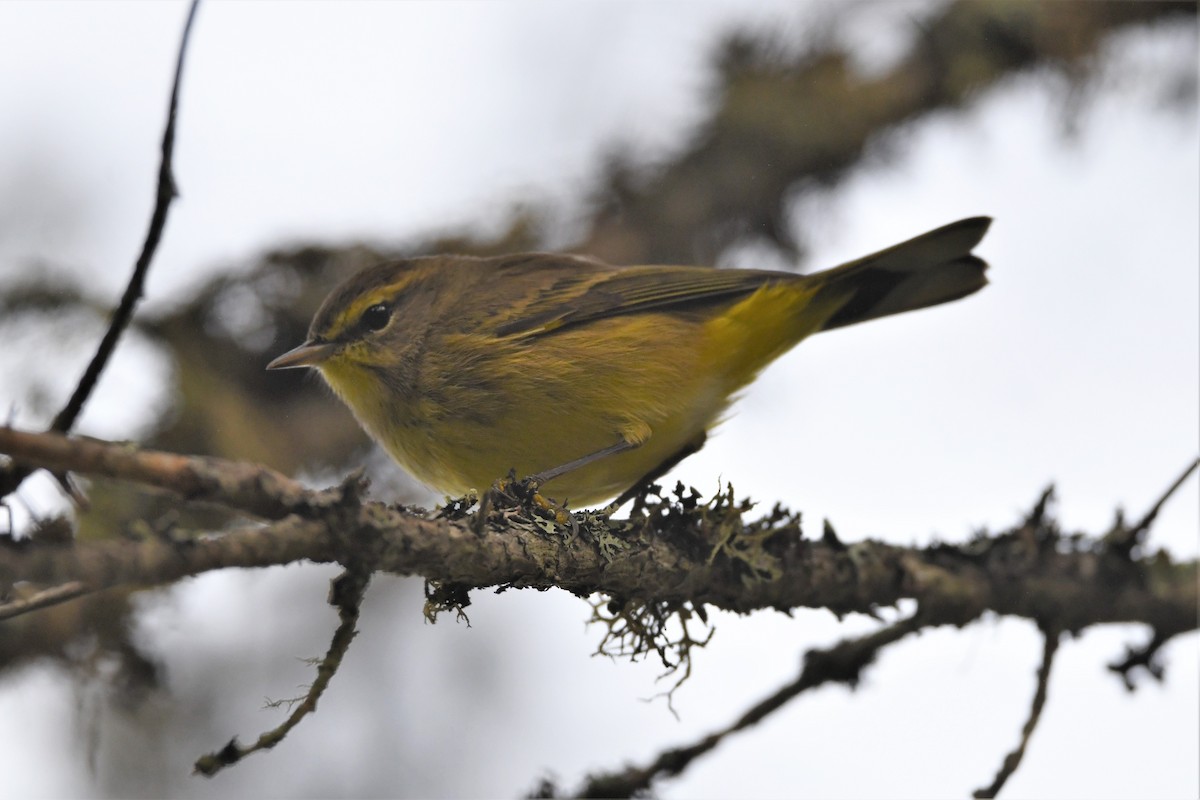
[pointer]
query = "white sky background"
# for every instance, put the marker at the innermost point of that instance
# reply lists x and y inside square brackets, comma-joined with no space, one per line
[326,123]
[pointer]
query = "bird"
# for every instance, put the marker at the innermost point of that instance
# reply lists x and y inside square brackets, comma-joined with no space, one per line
[593,379]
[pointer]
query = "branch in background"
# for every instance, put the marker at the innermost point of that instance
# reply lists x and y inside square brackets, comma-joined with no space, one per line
[1013,759]
[842,663]
[1145,657]
[12,475]
[346,594]
[43,599]
[1124,538]
[745,169]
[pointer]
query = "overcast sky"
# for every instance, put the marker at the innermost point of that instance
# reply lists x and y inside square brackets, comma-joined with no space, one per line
[337,123]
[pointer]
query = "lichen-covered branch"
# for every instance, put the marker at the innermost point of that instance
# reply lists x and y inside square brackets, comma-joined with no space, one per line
[745,166]
[681,550]
[678,556]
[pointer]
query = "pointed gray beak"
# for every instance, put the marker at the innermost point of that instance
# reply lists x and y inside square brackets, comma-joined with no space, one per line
[309,354]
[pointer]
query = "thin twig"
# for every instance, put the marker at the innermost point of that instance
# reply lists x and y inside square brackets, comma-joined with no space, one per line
[842,663]
[1013,759]
[43,599]
[165,192]
[1123,539]
[346,593]
[1152,514]
[1145,656]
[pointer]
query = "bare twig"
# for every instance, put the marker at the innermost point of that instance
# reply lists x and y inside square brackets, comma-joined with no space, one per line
[43,599]
[842,663]
[1013,759]
[1145,656]
[165,192]
[346,594]
[1125,538]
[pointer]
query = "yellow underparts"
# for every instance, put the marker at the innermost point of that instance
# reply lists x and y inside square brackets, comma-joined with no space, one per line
[481,405]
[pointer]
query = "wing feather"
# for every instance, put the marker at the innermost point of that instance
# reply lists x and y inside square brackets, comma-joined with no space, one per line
[633,290]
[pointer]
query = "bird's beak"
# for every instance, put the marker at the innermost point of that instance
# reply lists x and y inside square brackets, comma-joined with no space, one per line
[309,354]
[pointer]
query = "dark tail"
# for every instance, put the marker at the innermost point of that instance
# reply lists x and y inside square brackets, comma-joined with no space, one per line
[933,268]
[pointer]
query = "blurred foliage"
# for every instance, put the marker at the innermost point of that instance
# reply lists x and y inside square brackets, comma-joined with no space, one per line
[787,118]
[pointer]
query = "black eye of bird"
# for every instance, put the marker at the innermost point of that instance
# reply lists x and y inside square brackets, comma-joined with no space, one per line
[376,317]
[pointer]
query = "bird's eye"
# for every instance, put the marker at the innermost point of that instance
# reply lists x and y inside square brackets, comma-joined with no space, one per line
[376,317]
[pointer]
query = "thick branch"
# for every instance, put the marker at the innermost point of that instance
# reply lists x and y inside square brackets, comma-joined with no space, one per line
[744,167]
[158,561]
[251,488]
[681,552]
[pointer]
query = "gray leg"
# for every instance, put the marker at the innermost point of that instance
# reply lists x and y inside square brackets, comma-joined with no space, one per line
[570,466]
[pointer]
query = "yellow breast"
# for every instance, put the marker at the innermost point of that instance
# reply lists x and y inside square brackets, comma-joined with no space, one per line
[482,405]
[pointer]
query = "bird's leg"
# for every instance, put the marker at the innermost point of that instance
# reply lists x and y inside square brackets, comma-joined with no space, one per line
[530,486]
[526,491]
[630,436]
[562,469]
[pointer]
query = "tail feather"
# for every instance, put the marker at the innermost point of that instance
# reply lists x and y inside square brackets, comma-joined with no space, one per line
[933,268]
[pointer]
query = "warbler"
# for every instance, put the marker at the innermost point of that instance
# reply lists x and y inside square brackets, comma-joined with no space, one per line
[594,379]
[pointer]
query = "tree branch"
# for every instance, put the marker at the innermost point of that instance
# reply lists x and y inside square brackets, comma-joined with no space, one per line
[1124,537]
[682,551]
[251,488]
[1145,657]
[43,599]
[842,663]
[346,594]
[1013,759]
[681,554]
[743,170]
[12,476]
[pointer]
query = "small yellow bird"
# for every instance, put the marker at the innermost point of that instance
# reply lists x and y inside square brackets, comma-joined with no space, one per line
[597,378]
